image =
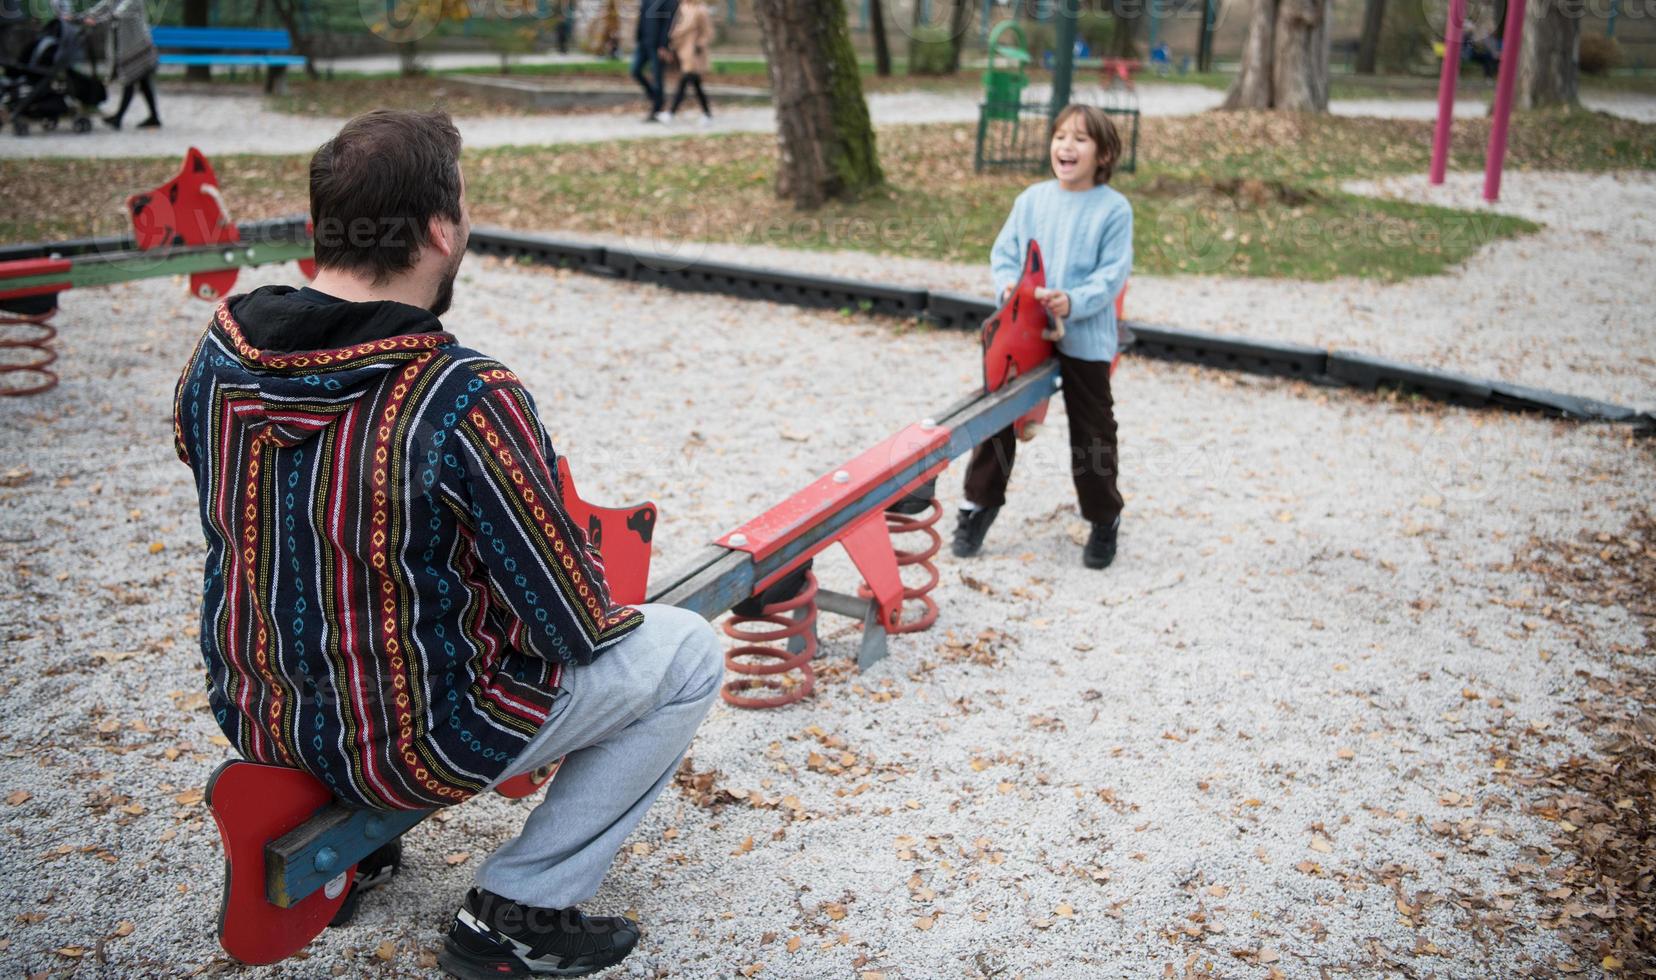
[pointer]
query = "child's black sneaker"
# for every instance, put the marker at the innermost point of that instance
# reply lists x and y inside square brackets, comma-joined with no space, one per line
[371,872]
[497,937]
[970,529]
[1101,545]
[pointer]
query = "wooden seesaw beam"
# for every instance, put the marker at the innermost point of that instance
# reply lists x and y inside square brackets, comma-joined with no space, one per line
[304,860]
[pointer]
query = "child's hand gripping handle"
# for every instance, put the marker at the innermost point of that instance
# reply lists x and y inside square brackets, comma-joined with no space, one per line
[1048,297]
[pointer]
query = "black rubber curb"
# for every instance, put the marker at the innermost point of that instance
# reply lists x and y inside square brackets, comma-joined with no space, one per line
[957,311]
[776,285]
[1371,373]
[1280,360]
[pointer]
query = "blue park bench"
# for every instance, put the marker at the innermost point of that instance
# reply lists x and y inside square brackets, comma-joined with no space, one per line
[253,47]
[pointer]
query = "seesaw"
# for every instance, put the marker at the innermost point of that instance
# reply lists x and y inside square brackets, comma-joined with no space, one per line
[179,228]
[290,849]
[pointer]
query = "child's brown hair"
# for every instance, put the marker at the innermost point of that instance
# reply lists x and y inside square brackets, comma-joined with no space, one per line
[1100,130]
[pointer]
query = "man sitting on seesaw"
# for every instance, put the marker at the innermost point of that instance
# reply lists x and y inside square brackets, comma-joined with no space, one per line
[395,599]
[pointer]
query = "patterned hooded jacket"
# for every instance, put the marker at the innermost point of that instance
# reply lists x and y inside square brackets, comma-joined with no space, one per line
[392,584]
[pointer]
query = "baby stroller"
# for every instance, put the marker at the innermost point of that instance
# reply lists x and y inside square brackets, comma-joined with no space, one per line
[45,86]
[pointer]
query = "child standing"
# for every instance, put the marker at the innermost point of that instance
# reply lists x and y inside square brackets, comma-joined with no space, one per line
[1085,230]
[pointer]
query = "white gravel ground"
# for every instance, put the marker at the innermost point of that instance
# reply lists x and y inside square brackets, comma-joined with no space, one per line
[221,124]
[1567,308]
[1271,738]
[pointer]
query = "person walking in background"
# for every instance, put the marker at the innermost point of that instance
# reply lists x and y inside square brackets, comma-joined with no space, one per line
[566,25]
[691,41]
[135,56]
[655,26]
[604,37]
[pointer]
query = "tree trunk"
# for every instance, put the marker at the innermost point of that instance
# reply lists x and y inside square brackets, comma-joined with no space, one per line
[1368,46]
[196,15]
[287,11]
[408,58]
[915,23]
[824,137]
[960,21]
[1285,59]
[1548,73]
[882,49]
[1125,16]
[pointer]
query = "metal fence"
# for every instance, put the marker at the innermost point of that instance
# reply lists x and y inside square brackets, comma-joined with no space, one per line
[1014,136]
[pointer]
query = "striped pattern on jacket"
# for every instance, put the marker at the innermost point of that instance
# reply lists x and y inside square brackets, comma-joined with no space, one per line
[392,584]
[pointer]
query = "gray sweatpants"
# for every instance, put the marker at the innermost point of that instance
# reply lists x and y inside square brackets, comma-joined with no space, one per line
[624,721]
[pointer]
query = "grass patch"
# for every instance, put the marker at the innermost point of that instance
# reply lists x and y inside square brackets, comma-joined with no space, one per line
[1252,194]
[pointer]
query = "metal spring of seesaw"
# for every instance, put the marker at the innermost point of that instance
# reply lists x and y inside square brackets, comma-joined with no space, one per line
[924,523]
[766,651]
[39,342]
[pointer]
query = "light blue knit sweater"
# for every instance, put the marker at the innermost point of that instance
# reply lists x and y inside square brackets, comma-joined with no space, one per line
[1086,239]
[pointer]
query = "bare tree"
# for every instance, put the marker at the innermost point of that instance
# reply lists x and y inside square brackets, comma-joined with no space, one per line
[1285,59]
[960,22]
[1125,17]
[882,47]
[1548,72]
[824,136]
[287,11]
[1368,45]
[196,14]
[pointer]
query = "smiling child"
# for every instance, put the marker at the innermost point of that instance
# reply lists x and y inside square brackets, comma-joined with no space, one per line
[1085,231]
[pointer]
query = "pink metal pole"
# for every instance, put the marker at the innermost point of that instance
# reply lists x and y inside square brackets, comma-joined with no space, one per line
[1446,88]
[1512,40]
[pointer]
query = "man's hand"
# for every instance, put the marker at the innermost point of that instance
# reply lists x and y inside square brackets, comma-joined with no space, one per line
[1056,301]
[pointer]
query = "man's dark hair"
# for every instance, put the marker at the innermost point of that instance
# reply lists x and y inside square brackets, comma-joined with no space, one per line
[375,187]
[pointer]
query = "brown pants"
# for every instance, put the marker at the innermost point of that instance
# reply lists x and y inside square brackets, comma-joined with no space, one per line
[1092,436]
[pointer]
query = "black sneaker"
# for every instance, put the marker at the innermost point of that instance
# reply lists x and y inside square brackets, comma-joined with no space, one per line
[497,937]
[917,500]
[1101,545]
[150,123]
[970,528]
[113,122]
[371,872]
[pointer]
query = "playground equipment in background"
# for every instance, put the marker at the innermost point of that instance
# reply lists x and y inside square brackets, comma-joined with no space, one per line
[179,228]
[1118,71]
[1012,132]
[1003,86]
[1506,79]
